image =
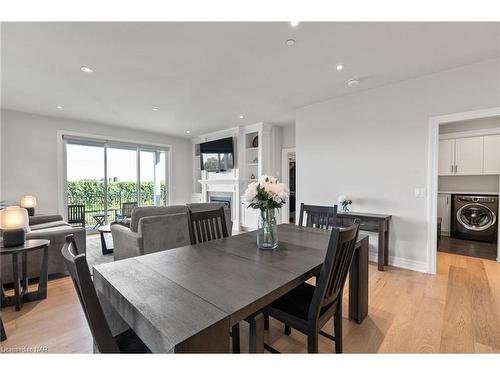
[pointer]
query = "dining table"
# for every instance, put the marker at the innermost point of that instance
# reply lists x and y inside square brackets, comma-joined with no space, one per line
[185,300]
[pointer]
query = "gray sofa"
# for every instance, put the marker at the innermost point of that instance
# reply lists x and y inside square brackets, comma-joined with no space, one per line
[155,229]
[54,229]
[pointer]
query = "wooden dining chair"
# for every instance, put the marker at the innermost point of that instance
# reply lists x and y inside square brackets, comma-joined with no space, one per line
[126,342]
[3,335]
[207,225]
[322,217]
[308,308]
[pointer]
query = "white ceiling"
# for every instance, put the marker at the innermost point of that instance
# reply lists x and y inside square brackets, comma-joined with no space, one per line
[202,76]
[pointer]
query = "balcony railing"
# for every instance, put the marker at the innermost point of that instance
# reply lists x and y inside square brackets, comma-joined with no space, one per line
[95,207]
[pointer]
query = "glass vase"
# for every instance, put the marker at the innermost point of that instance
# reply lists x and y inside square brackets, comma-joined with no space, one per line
[267,234]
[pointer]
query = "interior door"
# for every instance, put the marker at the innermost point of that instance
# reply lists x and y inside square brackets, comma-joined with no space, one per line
[469,156]
[492,154]
[446,157]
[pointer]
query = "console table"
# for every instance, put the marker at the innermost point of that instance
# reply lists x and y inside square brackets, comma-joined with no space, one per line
[21,293]
[372,223]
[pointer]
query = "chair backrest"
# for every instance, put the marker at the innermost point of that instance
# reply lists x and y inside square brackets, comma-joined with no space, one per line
[76,214]
[207,225]
[335,268]
[80,273]
[127,208]
[318,216]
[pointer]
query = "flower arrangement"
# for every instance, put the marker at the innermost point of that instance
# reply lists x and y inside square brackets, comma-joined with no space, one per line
[345,202]
[267,195]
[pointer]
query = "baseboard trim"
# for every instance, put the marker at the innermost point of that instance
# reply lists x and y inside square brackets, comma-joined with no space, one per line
[400,262]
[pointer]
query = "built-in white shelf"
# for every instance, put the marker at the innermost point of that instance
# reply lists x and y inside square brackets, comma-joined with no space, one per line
[253,163]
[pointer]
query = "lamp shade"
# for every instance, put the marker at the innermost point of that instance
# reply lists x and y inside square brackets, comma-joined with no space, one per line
[13,217]
[28,201]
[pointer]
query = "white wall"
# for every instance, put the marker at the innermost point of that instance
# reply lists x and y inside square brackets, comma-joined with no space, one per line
[373,146]
[469,184]
[463,126]
[29,156]
[289,136]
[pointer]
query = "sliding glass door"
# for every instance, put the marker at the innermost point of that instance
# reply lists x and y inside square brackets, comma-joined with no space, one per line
[152,178]
[121,174]
[107,180]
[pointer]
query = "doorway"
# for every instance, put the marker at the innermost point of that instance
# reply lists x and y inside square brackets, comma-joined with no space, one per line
[463,185]
[288,173]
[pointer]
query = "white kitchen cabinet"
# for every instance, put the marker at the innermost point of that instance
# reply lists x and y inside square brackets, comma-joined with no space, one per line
[491,154]
[446,157]
[444,212]
[469,156]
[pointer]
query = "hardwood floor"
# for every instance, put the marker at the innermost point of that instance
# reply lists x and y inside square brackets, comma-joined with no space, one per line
[456,310]
[468,248]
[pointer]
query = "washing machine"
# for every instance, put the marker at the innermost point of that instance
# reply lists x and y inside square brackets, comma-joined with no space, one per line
[475,217]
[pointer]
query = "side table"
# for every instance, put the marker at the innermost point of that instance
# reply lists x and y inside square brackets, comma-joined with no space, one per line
[21,293]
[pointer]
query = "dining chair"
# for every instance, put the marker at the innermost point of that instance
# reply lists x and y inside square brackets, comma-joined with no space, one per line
[3,335]
[322,217]
[308,308]
[207,225]
[126,342]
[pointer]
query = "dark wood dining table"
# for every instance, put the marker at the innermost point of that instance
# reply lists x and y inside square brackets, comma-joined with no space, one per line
[186,299]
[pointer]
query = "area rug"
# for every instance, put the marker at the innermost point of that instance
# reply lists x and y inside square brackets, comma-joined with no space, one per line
[94,251]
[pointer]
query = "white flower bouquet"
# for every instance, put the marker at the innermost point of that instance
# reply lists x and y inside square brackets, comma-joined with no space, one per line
[267,195]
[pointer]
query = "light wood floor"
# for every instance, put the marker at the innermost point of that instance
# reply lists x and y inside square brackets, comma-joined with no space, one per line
[457,310]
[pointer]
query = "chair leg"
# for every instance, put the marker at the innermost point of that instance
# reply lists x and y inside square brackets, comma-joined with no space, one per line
[337,327]
[312,342]
[266,322]
[288,330]
[235,336]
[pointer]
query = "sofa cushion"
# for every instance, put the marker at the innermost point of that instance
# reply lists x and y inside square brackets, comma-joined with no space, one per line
[140,212]
[51,224]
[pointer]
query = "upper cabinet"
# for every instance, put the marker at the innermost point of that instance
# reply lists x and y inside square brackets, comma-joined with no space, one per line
[446,157]
[469,156]
[492,154]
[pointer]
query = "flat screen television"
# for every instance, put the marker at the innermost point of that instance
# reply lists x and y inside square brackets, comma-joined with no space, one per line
[218,155]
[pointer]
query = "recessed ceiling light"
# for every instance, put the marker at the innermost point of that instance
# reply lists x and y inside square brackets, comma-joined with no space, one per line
[155,109]
[340,67]
[59,107]
[188,131]
[86,69]
[242,117]
[353,82]
[290,42]
[294,23]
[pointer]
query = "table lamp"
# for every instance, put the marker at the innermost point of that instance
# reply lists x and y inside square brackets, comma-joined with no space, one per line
[29,202]
[13,221]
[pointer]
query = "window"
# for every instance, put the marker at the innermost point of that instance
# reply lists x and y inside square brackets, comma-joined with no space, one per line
[110,178]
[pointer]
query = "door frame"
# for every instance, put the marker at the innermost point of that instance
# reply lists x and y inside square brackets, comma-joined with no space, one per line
[285,178]
[432,175]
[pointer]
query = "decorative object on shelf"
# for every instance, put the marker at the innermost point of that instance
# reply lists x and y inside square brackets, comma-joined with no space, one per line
[256,160]
[252,177]
[29,202]
[345,202]
[255,141]
[267,195]
[13,222]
